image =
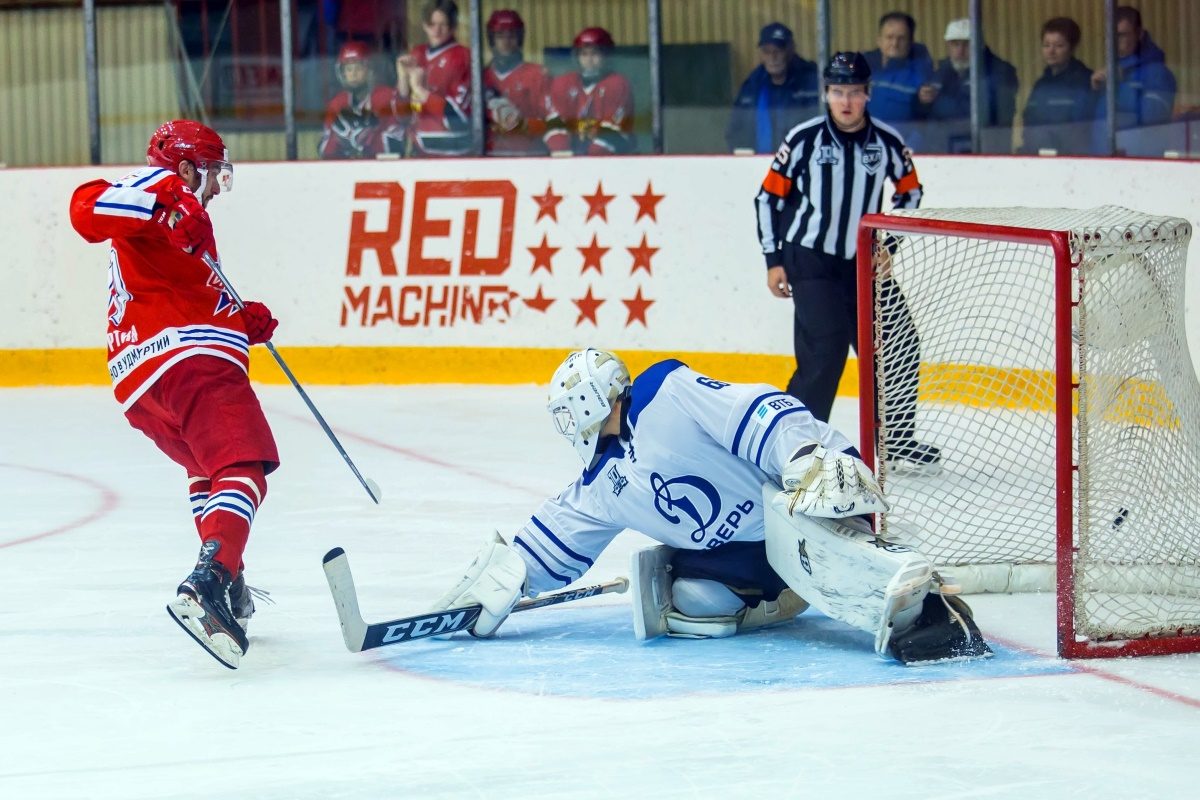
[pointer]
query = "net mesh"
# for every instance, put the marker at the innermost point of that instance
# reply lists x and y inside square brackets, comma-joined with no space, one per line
[978,317]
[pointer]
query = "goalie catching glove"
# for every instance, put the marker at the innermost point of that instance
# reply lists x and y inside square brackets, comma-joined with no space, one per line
[831,485]
[495,580]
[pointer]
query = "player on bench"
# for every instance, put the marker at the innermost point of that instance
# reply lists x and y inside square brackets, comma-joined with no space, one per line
[697,464]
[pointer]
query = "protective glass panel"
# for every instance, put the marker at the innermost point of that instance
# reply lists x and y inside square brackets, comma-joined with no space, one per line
[737,76]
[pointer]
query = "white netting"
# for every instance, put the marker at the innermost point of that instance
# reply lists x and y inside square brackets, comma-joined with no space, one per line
[983,312]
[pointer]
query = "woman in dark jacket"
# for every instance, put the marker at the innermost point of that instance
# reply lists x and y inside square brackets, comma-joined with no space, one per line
[1062,103]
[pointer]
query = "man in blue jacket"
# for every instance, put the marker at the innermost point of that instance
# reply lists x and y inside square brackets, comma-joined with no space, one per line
[780,93]
[899,68]
[1145,87]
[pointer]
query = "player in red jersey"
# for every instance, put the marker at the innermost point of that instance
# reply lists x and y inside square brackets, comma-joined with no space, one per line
[178,353]
[363,120]
[438,78]
[590,112]
[516,91]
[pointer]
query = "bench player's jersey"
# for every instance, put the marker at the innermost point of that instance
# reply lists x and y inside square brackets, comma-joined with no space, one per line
[442,125]
[592,119]
[525,86]
[164,305]
[689,474]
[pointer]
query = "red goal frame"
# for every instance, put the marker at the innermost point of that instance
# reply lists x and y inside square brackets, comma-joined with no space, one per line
[1070,645]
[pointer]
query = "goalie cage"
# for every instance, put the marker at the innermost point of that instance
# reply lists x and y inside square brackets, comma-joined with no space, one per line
[1055,377]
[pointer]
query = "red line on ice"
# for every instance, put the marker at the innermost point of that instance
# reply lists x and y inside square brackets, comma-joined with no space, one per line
[418,456]
[1087,669]
[109,500]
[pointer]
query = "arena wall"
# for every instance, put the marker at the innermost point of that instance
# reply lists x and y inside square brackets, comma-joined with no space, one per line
[488,270]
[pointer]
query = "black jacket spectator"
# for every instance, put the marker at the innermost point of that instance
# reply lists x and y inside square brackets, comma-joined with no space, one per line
[953,103]
[1055,103]
[764,112]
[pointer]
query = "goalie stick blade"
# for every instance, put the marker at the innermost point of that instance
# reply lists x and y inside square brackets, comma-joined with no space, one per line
[345,598]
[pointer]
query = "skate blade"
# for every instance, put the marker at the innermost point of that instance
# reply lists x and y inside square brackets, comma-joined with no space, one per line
[188,615]
[902,466]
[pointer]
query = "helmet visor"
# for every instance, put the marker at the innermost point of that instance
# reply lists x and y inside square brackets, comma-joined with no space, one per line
[224,170]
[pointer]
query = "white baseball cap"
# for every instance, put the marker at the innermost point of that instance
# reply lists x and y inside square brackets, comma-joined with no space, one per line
[958,30]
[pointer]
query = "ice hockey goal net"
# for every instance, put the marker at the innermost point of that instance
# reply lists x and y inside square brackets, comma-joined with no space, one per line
[1044,353]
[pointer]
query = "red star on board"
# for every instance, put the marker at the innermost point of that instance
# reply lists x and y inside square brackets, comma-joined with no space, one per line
[538,302]
[587,307]
[641,256]
[592,255]
[598,202]
[548,203]
[542,255]
[637,306]
[647,203]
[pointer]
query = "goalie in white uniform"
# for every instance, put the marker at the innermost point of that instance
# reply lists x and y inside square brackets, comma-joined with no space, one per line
[697,464]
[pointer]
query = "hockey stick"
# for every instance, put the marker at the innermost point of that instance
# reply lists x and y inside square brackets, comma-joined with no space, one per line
[360,635]
[371,486]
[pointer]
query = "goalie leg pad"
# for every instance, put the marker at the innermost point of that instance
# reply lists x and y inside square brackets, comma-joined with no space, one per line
[684,627]
[787,607]
[844,570]
[945,631]
[650,586]
[495,580]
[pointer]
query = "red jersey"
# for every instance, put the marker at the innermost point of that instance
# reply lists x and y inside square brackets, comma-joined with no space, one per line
[525,86]
[443,122]
[363,127]
[164,305]
[590,120]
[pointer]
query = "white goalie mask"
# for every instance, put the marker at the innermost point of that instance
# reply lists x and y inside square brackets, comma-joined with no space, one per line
[582,393]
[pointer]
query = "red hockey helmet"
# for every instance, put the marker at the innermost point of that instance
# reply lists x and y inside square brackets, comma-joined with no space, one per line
[186,140]
[595,37]
[353,51]
[505,19]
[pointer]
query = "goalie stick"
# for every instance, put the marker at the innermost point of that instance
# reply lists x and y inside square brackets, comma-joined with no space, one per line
[360,635]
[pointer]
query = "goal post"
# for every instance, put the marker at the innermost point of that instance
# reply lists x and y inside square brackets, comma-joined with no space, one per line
[1042,354]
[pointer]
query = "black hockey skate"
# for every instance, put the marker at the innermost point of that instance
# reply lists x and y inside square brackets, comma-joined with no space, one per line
[241,599]
[913,456]
[203,609]
[945,631]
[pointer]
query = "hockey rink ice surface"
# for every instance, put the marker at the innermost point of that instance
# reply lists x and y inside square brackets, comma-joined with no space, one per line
[102,696]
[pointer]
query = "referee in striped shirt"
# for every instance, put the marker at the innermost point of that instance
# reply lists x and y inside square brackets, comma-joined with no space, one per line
[826,175]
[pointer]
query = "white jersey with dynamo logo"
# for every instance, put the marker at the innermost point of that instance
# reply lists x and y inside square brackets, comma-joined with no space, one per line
[689,474]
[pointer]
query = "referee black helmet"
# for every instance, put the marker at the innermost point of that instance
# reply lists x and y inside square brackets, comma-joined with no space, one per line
[847,67]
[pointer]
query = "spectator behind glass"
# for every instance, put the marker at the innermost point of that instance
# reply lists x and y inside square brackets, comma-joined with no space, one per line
[437,78]
[1145,87]
[1062,104]
[516,90]
[363,120]
[780,93]
[590,112]
[899,68]
[947,97]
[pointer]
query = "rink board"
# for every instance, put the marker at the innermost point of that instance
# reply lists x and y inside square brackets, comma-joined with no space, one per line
[591,652]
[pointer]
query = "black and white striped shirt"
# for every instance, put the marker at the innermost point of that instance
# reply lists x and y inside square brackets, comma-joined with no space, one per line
[823,180]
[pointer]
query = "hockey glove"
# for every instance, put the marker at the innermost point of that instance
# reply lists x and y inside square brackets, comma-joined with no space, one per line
[260,325]
[831,485]
[505,116]
[495,580]
[189,227]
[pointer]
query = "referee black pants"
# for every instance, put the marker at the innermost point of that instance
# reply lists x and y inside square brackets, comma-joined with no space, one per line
[824,294]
